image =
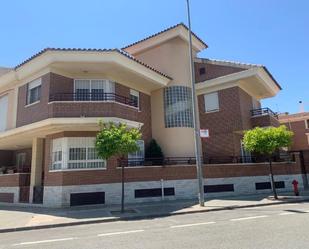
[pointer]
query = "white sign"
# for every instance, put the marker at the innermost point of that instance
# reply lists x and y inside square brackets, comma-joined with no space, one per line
[204,133]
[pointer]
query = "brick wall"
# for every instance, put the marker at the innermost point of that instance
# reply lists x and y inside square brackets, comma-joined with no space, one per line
[113,174]
[54,84]
[226,125]
[36,112]
[213,71]
[300,139]
[15,180]
[264,120]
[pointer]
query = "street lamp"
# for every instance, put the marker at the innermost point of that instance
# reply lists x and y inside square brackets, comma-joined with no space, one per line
[195,118]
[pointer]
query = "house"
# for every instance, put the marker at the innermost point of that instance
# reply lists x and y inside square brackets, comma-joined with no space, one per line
[51,103]
[299,124]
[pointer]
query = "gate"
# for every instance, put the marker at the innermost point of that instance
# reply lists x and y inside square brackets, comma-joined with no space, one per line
[24,194]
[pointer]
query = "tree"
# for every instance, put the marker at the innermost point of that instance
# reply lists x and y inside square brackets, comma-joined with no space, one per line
[117,140]
[154,150]
[266,141]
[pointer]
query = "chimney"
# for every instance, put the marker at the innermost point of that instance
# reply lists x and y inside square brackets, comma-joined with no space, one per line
[301,107]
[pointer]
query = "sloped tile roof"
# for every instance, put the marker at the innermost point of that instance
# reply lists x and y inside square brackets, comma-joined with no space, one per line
[92,50]
[163,31]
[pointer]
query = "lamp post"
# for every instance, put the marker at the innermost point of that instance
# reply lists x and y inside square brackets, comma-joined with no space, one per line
[195,118]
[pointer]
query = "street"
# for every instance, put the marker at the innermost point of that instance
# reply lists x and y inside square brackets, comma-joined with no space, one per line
[278,226]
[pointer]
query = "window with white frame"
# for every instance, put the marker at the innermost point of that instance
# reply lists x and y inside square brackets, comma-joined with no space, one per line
[94,90]
[307,124]
[75,153]
[34,91]
[137,157]
[134,97]
[3,112]
[211,102]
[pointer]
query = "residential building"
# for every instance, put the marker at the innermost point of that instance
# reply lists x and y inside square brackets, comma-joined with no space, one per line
[51,105]
[299,124]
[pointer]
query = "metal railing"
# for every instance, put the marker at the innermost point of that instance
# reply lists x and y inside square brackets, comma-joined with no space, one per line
[246,159]
[15,169]
[206,160]
[262,111]
[157,161]
[93,97]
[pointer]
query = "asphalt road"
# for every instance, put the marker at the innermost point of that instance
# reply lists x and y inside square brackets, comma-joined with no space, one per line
[280,226]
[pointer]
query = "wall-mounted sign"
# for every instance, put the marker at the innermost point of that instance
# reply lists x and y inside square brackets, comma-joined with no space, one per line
[204,133]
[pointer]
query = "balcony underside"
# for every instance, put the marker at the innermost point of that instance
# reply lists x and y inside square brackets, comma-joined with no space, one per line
[22,137]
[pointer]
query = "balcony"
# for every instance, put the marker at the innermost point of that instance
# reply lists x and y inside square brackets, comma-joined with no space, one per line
[262,112]
[93,105]
[93,97]
[264,117]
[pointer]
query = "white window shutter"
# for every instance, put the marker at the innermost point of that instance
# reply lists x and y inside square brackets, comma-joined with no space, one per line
[211,102]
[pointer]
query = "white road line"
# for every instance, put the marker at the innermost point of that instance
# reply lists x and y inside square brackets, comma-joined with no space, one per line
[285,213]
[249,218]
[42,241]
[118,233]
[194,224]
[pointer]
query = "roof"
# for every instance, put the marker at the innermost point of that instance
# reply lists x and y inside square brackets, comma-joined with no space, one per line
[90,50]
[294,115]
[228,67]
[166,30]
[4,70]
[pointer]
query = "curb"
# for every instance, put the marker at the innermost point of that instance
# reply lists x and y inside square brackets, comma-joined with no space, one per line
[150,216]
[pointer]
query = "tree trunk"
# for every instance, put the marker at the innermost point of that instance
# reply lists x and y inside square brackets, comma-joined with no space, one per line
[122,185]
[272,178]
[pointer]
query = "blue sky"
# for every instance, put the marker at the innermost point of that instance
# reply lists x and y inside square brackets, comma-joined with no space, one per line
[270,32]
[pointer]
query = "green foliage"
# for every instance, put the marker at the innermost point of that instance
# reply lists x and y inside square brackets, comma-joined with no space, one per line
[153,150]
[116,140]
[267,140]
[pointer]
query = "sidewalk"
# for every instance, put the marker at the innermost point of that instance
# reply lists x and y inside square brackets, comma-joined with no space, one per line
[16,218]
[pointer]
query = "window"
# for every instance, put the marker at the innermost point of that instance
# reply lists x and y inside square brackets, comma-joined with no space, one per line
[202,70]
[134,97]
[3,112]
[34,91]
[307,123]
[137,158]
[94,90]
[75,153]
[211,102]
[178,107]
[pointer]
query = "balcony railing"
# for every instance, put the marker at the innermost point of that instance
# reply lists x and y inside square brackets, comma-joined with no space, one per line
[206,160]
[262,111]
[157,161]
[93,97]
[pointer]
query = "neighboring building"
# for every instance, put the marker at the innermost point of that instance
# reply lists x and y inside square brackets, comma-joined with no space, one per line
[50,106]
[299,124]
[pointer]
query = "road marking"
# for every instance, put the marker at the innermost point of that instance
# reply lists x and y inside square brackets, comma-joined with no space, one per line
[194,224]
[249,218]
[285,213]
[118,233]
[42,241]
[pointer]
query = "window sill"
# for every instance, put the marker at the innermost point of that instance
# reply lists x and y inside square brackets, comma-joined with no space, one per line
[70,170]
[212,111]
[34,103]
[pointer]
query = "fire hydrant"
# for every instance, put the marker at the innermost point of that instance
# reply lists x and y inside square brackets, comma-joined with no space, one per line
[295,187]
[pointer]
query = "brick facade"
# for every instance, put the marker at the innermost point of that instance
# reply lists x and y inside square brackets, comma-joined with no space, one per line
[213,71]
[55,84]
[300,139]
[226,125]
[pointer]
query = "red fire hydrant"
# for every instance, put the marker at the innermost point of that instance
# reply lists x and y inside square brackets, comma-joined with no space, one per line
[295,187]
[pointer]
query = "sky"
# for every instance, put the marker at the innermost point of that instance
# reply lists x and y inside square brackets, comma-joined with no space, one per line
[274,33]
